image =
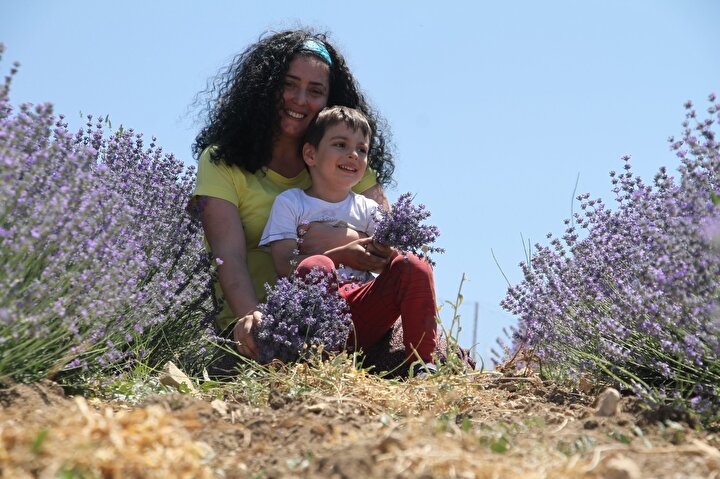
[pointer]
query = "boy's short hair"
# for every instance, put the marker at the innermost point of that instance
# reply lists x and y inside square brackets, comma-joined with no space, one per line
[333,115]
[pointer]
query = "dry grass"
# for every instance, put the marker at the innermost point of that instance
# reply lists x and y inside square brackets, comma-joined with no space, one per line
[78,441]
[329,419]
[339,381]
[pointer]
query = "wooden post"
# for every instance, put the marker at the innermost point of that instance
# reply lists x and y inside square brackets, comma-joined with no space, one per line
[474,340]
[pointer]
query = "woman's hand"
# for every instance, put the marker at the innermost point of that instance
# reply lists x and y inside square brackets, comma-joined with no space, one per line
[317,238]
[344,246]
[359,255]
[243,334]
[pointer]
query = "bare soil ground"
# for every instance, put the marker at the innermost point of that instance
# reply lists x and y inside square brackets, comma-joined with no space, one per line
[355,426]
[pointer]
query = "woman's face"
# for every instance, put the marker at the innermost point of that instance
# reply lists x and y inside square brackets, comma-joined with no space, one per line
[306,91]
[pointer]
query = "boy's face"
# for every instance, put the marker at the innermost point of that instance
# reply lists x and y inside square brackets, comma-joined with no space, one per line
[340,159]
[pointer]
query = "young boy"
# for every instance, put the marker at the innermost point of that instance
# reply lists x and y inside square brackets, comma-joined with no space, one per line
[335,152]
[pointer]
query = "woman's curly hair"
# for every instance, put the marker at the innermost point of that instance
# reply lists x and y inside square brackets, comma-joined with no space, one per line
[242,105]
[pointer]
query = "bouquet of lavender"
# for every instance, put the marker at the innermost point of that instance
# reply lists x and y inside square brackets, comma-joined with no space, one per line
[300,313]
[401,228]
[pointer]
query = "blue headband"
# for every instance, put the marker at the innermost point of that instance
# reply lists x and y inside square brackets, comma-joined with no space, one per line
[316,47]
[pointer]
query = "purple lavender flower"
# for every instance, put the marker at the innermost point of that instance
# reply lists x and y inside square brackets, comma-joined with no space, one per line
[401,227]
[632,296]
[96,246]
[300,313]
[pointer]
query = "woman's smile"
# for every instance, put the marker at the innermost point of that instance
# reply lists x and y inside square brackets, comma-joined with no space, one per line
[306,90]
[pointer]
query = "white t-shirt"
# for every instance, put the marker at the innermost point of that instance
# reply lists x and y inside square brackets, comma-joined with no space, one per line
[294,207]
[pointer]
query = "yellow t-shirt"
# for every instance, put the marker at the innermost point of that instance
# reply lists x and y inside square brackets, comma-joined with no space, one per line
[253,194]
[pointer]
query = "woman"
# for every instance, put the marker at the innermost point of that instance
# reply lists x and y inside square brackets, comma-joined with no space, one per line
[250,150]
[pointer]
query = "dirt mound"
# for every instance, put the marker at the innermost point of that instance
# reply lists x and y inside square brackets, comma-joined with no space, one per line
[477,426]
[31,397]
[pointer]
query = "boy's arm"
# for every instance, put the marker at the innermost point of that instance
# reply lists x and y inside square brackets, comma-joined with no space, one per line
[280,233]
[283,253]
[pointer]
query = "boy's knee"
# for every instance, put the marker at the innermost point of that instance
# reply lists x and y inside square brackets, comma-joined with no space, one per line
[317,261]
[412,264]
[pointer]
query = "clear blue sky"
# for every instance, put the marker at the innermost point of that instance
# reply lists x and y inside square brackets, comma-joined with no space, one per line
[496,107]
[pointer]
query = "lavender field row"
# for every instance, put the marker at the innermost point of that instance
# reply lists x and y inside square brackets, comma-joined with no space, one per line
[104,269]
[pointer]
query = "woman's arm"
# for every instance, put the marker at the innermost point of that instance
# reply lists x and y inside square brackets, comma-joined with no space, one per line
[283,253]
[377,193]
[224,232]
[345,247]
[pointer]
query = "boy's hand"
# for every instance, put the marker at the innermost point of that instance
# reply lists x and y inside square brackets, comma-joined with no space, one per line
[374,257]
[382,251]
[387,253]
[356,255]
[243,334]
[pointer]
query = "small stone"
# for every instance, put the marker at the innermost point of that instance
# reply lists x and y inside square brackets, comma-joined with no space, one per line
[174,377]
[591,424]
[608,402]
[220,406]
[706,449]
[621,467]
[276,399]
[584,385]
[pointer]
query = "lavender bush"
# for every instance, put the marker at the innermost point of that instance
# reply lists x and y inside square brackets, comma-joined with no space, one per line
[401,227]
[101,264]
[635,301]
[300,314]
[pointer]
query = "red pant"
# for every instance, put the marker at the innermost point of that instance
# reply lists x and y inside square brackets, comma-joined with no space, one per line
[405,288]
